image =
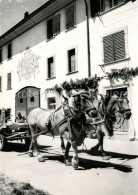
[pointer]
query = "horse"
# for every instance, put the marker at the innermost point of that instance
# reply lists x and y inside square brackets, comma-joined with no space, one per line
[116,105]
[66,121]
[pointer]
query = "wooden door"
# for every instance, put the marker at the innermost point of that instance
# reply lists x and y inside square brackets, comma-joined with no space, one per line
[26,100]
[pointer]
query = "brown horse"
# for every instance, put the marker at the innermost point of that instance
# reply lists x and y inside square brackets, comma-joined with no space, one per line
[116,105]
[66,121]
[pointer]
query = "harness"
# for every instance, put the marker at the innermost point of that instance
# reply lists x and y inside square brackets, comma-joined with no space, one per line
[109,116]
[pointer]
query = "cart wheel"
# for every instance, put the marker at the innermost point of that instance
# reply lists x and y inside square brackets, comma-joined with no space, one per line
[27,142]
[2,142]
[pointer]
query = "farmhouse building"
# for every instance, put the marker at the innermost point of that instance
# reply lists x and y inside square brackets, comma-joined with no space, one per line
[63,40]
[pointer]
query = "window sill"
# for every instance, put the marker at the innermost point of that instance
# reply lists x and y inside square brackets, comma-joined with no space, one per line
[50,78]
[72,72]
[50,39]
[114,62]
[104,12]
[9,59]
[71,28]
[9,89]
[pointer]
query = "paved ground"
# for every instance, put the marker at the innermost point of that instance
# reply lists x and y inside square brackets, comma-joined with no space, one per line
[117,176]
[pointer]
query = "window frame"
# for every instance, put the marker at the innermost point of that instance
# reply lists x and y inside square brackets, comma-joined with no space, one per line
[69,71]
[74,16]
[56,27]
[48,103]
[104,10]
[49,75]
[9,86]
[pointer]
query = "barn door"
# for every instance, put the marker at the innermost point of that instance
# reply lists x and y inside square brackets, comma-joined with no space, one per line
[21,102]
[26,100]
[121,125]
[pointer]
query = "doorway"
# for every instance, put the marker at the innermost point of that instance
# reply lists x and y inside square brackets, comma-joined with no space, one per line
[121,126]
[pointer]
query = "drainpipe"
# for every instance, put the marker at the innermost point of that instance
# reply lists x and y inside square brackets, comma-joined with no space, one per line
[88,38]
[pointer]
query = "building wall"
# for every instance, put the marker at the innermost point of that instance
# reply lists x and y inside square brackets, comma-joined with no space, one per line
[124,18]
[34,45]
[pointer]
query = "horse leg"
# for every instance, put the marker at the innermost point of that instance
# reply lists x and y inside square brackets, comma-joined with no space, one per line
[62,144]
[100,136]
[33,130]
[66,156]
[30,152]
[75,160]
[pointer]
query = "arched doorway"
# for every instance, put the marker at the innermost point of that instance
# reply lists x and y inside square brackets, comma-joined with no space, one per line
[26,100]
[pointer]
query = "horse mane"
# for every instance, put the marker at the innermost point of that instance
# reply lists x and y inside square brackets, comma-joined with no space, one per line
[111,102]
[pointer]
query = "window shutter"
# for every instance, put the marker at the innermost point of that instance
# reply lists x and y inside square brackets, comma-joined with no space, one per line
[108,49]
[119,45]
[9,81]
[70,17]
[56,24]
[95,7]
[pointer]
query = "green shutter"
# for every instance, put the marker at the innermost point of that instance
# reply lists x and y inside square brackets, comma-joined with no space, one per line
[108,49]
[119,45]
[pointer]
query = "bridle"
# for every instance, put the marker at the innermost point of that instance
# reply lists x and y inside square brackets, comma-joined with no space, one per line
[120,111]
[78,105]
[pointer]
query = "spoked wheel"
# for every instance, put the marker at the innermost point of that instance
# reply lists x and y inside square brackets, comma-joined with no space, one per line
[2,142]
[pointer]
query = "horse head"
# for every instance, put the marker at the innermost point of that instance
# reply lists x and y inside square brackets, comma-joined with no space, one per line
[119,105]
[82,102]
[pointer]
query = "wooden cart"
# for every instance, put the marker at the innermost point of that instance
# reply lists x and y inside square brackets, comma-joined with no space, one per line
[16,131]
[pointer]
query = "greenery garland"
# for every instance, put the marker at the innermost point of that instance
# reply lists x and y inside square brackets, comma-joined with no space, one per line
[126,74]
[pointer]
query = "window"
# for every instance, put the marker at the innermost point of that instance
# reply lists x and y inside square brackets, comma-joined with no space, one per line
[9,50]
[21,100]
[53,26]
[51,70]
[7,114]
[70,16]
[32,99]
[51,103]
[9,81]
[1,55]
[114,47]
[108,4]
[0,83]
[71,61]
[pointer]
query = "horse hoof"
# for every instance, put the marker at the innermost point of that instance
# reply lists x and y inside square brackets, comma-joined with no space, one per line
[40,158]
[30,154]
[67,163]
[75,163]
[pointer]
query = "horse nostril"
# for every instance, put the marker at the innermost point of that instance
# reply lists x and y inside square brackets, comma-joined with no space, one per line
[127,115]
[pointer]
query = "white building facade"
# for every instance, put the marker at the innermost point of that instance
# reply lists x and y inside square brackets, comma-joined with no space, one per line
[62,41]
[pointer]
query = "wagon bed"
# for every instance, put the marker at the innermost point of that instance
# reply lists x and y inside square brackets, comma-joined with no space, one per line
[12,132]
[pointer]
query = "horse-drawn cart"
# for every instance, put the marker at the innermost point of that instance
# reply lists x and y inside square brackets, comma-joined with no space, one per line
[12,132]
